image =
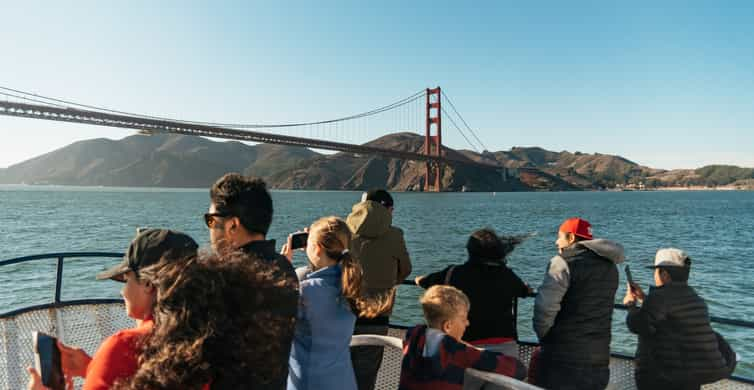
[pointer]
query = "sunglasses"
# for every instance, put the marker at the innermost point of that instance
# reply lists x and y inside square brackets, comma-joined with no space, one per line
[209,218]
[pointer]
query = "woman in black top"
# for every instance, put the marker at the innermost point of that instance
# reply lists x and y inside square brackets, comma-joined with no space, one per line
[490,285]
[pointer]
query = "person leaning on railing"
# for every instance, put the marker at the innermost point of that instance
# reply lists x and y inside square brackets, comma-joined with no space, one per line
[116,358]
[491,287]
[677,347]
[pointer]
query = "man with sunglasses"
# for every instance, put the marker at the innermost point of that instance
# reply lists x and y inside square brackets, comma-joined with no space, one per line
[240,214]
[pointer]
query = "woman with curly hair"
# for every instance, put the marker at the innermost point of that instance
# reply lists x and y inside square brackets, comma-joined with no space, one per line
[213,321]
[331,297]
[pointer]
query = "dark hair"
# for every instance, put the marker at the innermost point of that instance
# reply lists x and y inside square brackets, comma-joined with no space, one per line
[485,244]
[214,319]
[334,235]
[246,198]
[380,196]
[679,274]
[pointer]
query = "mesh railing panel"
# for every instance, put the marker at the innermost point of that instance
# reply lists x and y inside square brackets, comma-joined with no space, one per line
[390,370]
[622,373]
[84,326]
[87,325]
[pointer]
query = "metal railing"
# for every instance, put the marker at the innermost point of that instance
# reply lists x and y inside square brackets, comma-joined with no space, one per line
[57,302]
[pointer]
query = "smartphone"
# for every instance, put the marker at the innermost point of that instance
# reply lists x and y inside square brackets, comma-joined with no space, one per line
[47,360]
[629,277]
[298,240]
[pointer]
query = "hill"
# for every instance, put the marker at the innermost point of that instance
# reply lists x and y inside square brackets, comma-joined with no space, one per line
[152,161]
[182,161]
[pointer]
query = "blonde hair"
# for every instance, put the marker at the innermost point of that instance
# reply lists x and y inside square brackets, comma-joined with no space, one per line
[440,303]
[334,236]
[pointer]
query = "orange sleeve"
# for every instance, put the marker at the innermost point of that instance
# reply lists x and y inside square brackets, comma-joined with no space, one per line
[115,359]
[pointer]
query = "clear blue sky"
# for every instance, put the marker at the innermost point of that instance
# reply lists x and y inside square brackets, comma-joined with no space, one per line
[669,86]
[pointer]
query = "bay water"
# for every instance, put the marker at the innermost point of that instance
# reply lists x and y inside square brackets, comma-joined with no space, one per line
[716,228]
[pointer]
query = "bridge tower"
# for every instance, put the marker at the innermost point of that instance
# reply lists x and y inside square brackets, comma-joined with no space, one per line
[433,143]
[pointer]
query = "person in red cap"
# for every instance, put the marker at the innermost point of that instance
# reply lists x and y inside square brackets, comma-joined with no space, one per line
[574,309]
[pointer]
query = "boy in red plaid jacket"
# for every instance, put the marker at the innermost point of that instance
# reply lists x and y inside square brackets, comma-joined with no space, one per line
[435,358]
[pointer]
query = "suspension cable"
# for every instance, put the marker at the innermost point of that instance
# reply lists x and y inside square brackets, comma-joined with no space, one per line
[445,95]
[32,100]
[459,130]
[388,107]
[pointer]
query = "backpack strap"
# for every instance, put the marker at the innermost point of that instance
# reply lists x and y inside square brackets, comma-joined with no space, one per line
[449,274]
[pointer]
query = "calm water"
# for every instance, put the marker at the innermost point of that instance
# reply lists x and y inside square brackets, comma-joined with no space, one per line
[715,228]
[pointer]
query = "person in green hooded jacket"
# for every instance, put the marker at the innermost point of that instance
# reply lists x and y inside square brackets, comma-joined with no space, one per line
[382,252]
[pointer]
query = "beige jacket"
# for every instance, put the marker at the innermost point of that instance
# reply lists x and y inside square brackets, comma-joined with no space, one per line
[378,246]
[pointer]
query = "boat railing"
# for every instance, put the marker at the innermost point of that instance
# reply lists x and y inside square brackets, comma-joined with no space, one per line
[86,322]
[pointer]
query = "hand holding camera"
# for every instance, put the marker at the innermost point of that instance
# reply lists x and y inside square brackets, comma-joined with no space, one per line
[295,241]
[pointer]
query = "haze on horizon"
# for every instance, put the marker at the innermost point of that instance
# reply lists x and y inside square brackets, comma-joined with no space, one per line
[667,86]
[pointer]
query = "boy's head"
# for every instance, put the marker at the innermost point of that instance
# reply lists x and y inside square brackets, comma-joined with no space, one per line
[446,308]
[572,231]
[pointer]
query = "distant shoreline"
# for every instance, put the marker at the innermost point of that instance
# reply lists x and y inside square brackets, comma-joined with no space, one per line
[699,188]
[193,189]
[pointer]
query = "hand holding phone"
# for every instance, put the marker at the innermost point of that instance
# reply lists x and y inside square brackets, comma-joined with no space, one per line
[298,240]
[47,361]
[629,277]
[635,289]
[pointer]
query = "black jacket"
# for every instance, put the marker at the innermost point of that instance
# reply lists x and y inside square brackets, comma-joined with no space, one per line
[491,287]
[676,342]
[574,306]
[286,314]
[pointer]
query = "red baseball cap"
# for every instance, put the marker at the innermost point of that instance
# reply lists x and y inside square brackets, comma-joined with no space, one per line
[579,227]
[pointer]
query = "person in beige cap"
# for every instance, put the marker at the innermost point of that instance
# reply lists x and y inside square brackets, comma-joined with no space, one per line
[677,347]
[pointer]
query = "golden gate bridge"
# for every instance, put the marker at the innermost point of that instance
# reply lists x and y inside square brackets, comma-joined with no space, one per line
[421,111]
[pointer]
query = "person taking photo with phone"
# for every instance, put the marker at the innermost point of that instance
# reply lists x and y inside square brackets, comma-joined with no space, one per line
[117,356]
[332,295]
[677,347]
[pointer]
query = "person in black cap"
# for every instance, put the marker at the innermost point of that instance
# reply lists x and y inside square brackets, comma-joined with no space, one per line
[677,347]
[239,216]
[491,287]
[117,356]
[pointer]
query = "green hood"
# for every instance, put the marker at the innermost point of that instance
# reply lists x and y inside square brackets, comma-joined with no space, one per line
[369,219]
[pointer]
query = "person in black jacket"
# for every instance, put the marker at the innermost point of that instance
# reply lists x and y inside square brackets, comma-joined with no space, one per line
[677,347]
[574,308]
[239,216]
[490,285]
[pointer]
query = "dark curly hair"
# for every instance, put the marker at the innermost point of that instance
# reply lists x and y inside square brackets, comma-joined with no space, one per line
[214,319]
[246,198]
[485,245]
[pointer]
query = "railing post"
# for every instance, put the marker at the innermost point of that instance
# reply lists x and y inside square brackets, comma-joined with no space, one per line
[59,279]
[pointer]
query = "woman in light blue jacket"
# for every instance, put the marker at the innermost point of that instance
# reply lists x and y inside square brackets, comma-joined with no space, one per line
[331,296]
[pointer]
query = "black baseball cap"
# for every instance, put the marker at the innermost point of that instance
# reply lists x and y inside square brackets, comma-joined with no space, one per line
[380,196]
[147,248]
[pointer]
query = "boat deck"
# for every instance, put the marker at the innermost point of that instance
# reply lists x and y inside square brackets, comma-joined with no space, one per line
[87,323]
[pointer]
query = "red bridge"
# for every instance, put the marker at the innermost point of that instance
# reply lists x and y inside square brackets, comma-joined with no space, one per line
[322,134]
